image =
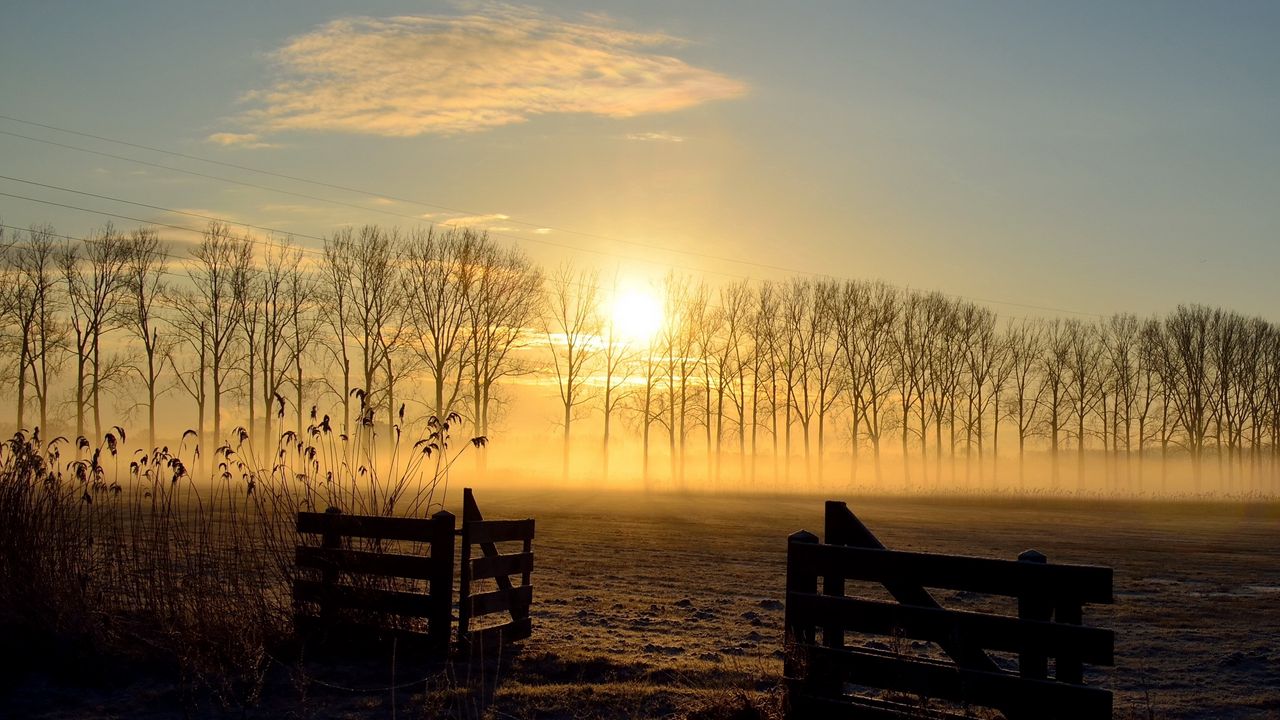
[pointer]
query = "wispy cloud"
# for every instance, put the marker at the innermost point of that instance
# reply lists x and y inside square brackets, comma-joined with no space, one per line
[656,137]
[413,75]
[244,140]
[482,221]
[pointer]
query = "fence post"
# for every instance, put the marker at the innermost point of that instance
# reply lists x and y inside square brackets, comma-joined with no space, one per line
[1033,605]
[836,531]
[330,539]
[805,580]
[465,569]
[802,580]
[440,617]
[1068,667]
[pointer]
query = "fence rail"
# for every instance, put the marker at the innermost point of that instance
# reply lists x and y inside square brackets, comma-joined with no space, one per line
[515,600]
[1049,625]
[356,587]
[372,583]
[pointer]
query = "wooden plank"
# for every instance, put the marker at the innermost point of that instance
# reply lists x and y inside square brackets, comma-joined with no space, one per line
[993,632]
[1084,583]
[496,531]
[1034,606]
[329,540]
[470,516]
[500,600]
[1069,667]
[835,529]
[492,637]
[396,602]
[844,528]
[358,561]
[504,565]
[800,578]
[440,604]
[367,526]
[945,681]
[464,569]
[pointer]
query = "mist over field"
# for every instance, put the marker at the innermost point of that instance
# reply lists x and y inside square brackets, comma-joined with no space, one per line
[582,360]
[803,385]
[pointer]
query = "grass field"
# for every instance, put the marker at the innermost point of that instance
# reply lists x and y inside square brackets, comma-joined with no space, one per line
[669,606]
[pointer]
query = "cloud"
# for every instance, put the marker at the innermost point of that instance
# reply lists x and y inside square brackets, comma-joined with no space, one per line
[485,221]
[244,140]
[414,75]
[656,137]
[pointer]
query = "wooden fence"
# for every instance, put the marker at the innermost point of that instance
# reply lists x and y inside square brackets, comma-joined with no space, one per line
[508,597]
[376,576]
[894,683]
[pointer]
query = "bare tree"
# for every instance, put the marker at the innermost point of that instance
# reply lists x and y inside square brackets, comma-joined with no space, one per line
[208,319]
[442,268]
[945,364]
[503,307]
[649,400]
[1155,420]
[617,355]
[1083,391]
[33,301]
[338,270]
[1025,349]
[765,361]
[279,311]
[1120,343]
[678,340]
[1001,375]
[828,381]
[1188,333]
[302,322]
[912,349]
[572,328]
[735,353]
[377,314]
[704,325]
[94,281]
[1055,368]
[145,268]
[983,356]
[867,315]
[249,297]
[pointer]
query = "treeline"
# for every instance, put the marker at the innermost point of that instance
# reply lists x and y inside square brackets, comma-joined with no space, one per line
[937,380]
[383,328]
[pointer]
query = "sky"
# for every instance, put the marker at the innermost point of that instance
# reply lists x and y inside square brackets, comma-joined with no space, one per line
[1090,157]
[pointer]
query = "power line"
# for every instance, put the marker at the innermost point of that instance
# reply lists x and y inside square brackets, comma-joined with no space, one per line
[369,193]
[188,213]
[311,237]
[345,188]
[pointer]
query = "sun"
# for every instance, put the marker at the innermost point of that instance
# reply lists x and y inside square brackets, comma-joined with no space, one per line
[637,316]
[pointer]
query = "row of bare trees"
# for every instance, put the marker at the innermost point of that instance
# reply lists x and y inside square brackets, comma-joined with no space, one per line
[263,326]
[795,365]
[781,379]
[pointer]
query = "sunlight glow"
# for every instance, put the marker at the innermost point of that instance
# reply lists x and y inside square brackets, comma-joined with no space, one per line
[637,316]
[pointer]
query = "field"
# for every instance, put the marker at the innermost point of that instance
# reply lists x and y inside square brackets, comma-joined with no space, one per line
[669,606]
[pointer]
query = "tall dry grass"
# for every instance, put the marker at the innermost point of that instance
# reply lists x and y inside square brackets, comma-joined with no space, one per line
[184,561]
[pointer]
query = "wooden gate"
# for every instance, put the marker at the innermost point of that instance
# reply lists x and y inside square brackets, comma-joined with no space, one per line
[509,598]
[374,589]
[368,577]
[894,683]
